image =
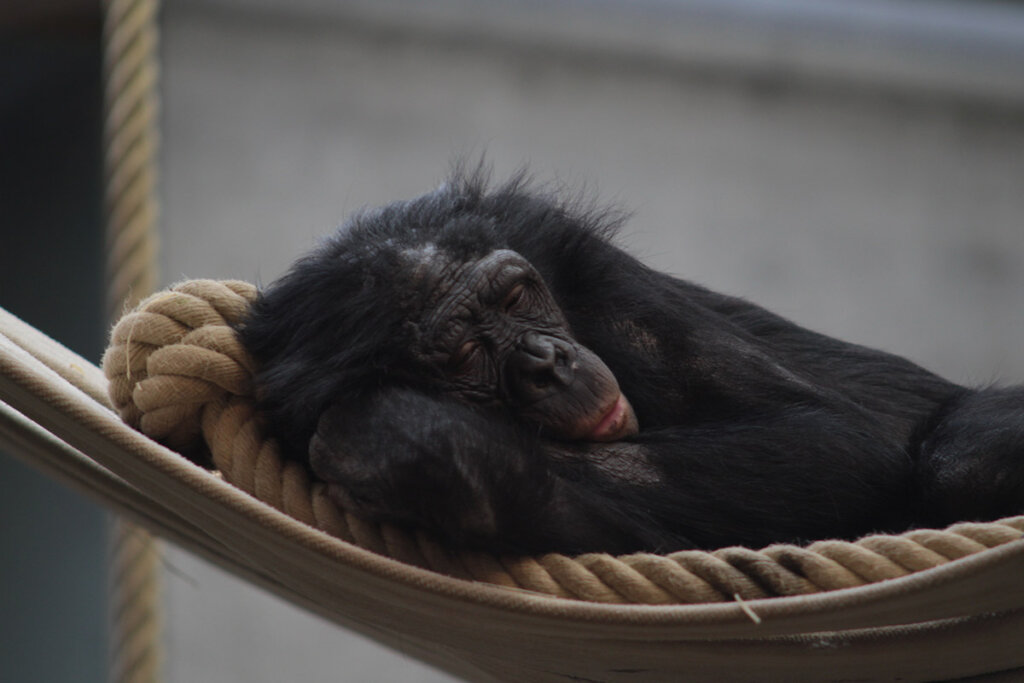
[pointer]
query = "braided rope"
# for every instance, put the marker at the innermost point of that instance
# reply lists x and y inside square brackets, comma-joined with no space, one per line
[178,374]
[134,608]
[131,136]
[130,128]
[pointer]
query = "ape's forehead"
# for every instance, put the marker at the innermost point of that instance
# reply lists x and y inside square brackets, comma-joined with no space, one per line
[436,272]
[450,288]
[424,262]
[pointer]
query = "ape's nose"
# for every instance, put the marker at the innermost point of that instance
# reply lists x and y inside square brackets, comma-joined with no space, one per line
[541,365]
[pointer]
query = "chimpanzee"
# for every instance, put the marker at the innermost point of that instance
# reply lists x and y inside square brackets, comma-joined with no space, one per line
[482,363]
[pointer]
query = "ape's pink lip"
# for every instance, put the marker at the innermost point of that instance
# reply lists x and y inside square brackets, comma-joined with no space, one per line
[613,423]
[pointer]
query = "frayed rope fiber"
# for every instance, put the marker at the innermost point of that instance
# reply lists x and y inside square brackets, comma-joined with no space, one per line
[178,374]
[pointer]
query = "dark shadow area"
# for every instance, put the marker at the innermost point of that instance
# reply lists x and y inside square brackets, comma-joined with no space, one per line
[52,541]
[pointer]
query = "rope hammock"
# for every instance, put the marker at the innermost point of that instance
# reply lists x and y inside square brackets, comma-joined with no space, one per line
[925,605]
[178,374]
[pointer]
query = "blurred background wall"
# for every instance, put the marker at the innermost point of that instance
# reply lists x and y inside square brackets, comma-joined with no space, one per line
[857,166]
[52,540]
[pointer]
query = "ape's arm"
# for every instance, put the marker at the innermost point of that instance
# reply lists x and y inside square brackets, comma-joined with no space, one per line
[474,480]
[795,475]
[478,481]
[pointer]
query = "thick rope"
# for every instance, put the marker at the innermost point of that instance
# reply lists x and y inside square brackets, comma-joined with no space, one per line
[135,607]
[178,373]
[130,127]
[130,130]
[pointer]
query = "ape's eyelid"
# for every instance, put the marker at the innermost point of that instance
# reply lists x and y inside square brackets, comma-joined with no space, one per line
[514,295]
[465,352]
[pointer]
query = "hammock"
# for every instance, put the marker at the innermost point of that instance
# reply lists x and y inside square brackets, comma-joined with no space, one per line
[920,606]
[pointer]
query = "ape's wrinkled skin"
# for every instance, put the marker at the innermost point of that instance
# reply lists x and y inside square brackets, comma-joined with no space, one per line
[486,366]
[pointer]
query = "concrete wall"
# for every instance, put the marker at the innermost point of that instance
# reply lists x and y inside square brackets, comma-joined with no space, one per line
[879,213]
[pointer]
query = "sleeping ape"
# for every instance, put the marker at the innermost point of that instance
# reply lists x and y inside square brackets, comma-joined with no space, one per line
[485,365]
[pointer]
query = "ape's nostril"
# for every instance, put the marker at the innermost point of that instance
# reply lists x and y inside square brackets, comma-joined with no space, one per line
[541,366]
[563,373]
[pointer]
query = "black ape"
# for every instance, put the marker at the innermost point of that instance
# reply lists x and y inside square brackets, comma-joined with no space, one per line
[488,367]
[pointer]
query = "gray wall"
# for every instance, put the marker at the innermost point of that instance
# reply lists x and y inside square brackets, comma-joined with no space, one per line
[860,207]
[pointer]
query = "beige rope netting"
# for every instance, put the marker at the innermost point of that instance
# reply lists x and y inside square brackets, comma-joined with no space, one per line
[178,373]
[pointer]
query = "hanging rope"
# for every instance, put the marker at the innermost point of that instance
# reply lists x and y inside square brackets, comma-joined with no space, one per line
[178,373]
[131,140]
[130,61]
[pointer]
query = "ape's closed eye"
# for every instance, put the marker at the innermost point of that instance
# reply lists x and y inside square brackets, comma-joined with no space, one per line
[463,360]
[514,298]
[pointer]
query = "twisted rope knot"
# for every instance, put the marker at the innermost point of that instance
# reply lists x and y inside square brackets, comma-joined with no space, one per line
[178,374]
[175,356]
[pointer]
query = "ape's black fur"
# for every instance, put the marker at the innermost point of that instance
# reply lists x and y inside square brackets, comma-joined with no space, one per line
[752,429]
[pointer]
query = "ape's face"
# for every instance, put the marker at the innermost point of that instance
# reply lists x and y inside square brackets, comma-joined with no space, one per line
[494,335]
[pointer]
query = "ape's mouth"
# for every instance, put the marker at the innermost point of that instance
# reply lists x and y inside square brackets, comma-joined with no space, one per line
[617,422]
